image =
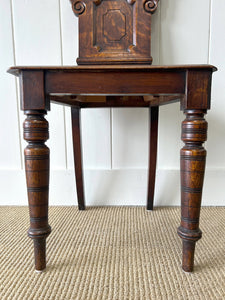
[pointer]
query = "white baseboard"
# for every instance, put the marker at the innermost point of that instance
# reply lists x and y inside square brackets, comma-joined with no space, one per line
[111,187]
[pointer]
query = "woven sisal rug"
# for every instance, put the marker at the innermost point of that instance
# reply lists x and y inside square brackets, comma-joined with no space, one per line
[111,253]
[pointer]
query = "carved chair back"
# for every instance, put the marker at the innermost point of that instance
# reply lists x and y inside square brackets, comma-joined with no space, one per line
[114,31]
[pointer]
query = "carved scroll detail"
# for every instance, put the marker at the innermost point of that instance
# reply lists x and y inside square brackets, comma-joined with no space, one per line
[150,6]
[78,7]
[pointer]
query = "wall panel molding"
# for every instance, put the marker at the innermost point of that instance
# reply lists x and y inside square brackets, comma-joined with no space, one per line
[111,187]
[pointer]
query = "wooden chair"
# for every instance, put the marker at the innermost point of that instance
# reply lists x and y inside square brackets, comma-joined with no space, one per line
[115,71]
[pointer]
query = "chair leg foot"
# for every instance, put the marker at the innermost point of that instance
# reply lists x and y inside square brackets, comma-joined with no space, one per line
[40,254]
[81,207]
[149,206]
[188,256]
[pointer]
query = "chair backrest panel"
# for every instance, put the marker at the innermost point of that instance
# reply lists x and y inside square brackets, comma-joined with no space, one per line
[114,31]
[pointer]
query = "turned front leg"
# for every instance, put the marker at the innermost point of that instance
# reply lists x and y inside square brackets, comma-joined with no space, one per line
[193,156]
[37,176]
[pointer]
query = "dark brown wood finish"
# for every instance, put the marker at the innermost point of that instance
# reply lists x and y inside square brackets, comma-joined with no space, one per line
[198,89]
[37,176]
[34,104]
[193,157]
[115,101]
[112,35]
[76,86]
[100,101]
[153,141]
[77,150]
[114,32]
[105,81]
[16,70]
[32,89]
[190,84]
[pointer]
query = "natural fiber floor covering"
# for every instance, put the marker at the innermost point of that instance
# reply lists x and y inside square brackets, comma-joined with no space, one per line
[111,253]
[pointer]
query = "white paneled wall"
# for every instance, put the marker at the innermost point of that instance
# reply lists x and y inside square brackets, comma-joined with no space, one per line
[115,141]
[10,156]
[38,42]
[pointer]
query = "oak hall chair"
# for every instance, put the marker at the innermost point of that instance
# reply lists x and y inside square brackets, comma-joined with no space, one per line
[114,70]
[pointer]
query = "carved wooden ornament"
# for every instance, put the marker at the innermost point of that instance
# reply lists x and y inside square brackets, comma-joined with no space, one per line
[114,31]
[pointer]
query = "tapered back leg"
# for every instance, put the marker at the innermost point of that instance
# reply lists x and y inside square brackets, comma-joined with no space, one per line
[153,139]
[77,152]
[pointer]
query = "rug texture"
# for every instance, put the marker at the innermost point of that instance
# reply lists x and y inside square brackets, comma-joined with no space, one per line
[111,253]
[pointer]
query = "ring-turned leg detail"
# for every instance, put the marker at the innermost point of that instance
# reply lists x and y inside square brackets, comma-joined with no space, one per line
[37,176]
[193,156]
